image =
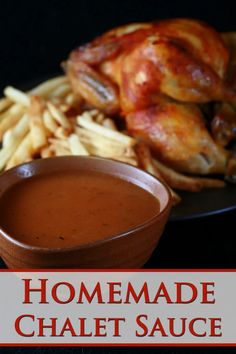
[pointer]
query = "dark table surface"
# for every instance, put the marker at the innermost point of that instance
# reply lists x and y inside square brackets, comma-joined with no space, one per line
[36,36]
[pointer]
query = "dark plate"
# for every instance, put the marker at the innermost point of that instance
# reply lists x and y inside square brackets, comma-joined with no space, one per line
[204,203]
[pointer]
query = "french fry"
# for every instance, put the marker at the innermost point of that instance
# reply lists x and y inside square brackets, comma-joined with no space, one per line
[10,118]
[59,147]
[17,96]
[45,88]
[63,143]
[71,100]
[15,108]
[105,132]
[6,139]
[15,137]
[37,129]
[176,179]
[102,152]
[57,87]
[104,146]
[147,163]
[76,147]
[108,123]
[60,91]
[100,118]
[99,146]
[129,160]
[88,116]
[94,113]
[211,182]
[59,116]
[5,103]
[56,101]
[49,122]
[46,152]
[179,181]
[61,151]
[6,113]
[171,177]
[23,153]
[96,116]
[61,133]
[64,107]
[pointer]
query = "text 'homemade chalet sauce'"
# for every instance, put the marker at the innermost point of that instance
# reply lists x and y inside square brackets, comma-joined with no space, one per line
[72,208]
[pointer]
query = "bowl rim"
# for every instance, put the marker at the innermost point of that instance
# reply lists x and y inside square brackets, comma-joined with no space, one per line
[53,250]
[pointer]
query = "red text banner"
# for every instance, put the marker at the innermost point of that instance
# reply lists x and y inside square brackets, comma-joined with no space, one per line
[156,307]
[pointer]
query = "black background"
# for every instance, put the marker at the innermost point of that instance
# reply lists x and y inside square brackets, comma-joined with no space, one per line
[35,36]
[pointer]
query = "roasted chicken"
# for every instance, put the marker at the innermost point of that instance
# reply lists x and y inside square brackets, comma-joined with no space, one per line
[158,76]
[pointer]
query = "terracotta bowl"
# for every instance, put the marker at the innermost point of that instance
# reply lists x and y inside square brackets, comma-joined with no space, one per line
[127,250]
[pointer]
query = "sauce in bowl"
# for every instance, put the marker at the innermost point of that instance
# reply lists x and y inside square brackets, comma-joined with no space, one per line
[72,208]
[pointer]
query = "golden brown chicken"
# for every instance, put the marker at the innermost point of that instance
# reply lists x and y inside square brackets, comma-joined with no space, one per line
[155,75]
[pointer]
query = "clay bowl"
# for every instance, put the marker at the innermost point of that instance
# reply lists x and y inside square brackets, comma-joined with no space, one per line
[127,250]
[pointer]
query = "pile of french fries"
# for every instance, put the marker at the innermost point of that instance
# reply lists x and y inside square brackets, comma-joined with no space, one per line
[39,124]
[36,124]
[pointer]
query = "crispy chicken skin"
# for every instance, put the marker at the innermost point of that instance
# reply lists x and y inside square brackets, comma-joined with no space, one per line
[178,136]
[155,75]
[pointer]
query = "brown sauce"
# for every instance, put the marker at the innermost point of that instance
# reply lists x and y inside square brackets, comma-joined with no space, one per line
[73,208]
